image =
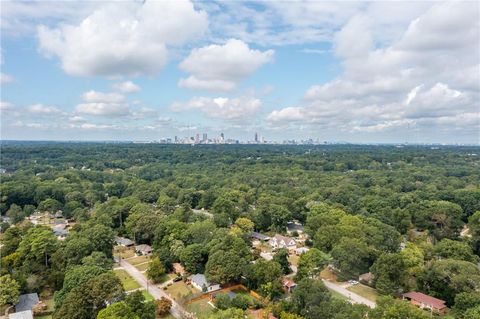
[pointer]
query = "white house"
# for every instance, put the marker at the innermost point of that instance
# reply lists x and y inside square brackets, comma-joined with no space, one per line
[279,241]
[200,282]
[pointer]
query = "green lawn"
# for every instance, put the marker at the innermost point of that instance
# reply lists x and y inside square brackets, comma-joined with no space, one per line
[142,267]
[43,317]
[201,308]
[179,289]
[138,260]
[147,295]
[128,282]
[123,252]
[293,259]
[364,291]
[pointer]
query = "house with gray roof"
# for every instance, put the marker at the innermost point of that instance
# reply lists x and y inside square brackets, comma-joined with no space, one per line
[122,241]
[200,282]
[26,302]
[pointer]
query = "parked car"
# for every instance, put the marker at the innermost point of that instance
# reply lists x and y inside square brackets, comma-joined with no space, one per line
[177,278]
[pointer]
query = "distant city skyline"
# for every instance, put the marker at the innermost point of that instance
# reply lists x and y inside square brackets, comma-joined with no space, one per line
[359,72]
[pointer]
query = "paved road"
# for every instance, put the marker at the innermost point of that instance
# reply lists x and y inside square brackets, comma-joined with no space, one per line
[349,294]
[177,311]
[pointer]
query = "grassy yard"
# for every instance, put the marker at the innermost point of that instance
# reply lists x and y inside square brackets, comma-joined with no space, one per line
[143,266]
[43,317]
[128,282]
[327,274]
[138,260]
[179,289]
[293,259]
[147,295]
[201,308]
[123,252]
[364,291]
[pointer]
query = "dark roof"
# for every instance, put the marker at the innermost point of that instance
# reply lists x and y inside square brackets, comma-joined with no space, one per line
[425,299]
[124,241]
[259,236]
[26,302]
[294,227]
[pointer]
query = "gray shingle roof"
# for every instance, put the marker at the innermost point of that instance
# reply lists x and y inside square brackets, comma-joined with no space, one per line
[26,302]
[21,315]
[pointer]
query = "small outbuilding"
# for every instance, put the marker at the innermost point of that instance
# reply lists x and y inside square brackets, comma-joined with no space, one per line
[366,278]
[27,302]
[27,314]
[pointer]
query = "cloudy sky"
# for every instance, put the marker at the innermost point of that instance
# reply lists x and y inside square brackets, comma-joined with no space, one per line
[142,70]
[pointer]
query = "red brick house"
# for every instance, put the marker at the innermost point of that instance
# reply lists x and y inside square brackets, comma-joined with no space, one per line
[426,302]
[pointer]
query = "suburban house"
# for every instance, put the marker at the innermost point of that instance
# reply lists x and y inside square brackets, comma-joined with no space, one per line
[279,241]
[301,250]
[178,269]
[125,242]
[288,284]
[60,231]
[200,282]
[366,278]
[144,249]
[27,314]
[426,302]
[260,237]
[24,306]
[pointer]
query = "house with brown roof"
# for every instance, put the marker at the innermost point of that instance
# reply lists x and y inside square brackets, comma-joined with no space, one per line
[288,284]
[425,302]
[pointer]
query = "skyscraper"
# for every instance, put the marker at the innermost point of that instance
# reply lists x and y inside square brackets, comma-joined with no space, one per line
[256,137]
[205,138]
[197,138]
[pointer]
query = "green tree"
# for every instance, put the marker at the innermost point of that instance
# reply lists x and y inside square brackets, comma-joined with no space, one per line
[222,301]
[311,264]
[245,224]
[142,308]
[452,249]
[448,277]
[193,259]
[310,299]
[37,246]
[351,256]
[465,301]
[281,257]
[231,313]
[9,290]
[389,308]
[118,310]
[390,273]
[156,270]
[241,301]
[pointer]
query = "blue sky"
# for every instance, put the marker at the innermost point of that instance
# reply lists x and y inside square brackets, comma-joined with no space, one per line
[133,70]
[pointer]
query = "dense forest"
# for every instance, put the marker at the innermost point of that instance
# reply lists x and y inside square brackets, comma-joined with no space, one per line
[410,215]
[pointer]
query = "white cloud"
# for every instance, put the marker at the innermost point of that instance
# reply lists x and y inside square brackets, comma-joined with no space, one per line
[426,77]
[103,104]
[5,106]
[289,114]
[221,67]
[5,78]
[126,87]
[41,109]
[123,39]
[220,107]
[102,109]
[94,96]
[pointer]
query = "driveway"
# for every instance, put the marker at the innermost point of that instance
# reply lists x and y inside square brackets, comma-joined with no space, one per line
[349,294]
[177,311]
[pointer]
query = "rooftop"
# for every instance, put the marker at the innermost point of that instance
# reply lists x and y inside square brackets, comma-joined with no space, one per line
[26,302]
[259,236]
[425,299]
[200,280]
[27,314]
